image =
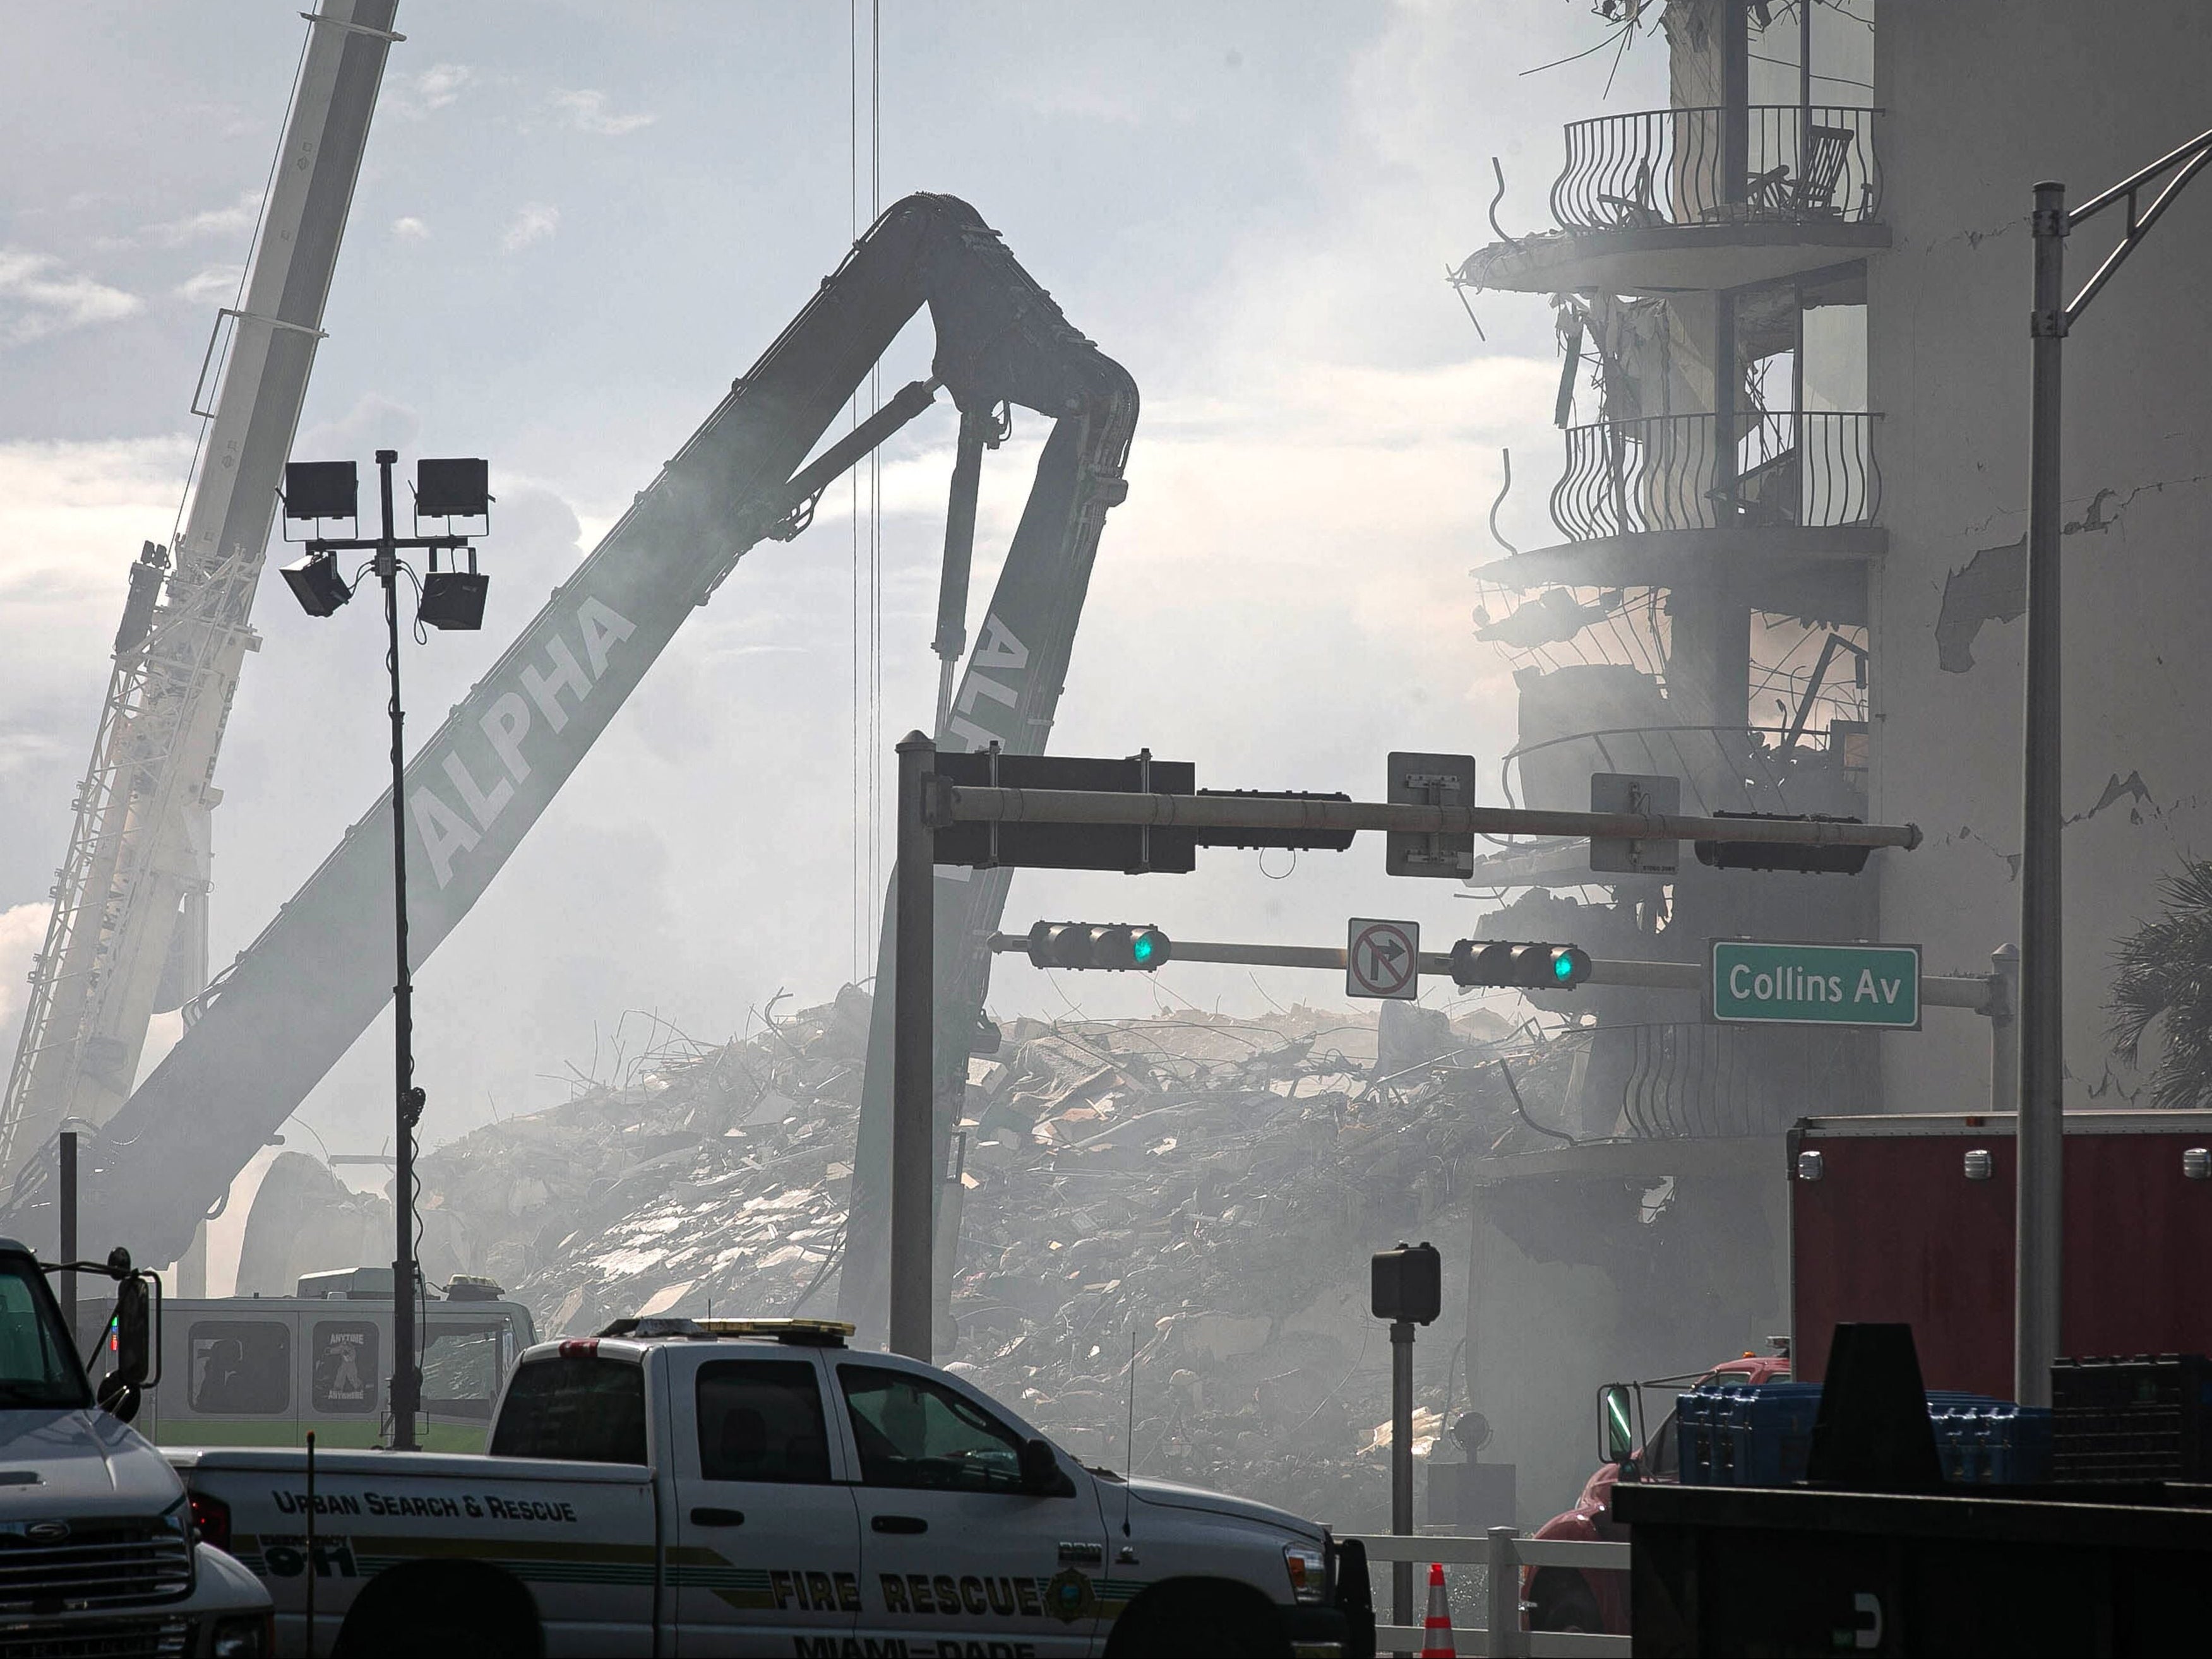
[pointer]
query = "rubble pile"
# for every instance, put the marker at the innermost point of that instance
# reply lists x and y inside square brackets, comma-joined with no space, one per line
[1208,1187]
[708,1175]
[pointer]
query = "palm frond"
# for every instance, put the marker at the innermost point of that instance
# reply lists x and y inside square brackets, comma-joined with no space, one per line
[2164,970]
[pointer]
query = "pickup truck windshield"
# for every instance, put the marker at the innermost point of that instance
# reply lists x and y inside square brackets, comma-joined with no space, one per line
[574,1408]
[36,1365]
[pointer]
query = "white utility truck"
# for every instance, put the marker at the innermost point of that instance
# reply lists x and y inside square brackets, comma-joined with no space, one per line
[755,1487]
[262,1370]
[99,1553]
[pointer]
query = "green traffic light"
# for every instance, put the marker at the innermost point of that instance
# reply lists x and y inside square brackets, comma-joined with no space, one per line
[1141,951]
[1563,967]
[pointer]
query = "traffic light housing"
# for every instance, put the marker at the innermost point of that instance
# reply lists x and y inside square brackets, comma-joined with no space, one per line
[1767,855]
[1520,964]
[1117,946]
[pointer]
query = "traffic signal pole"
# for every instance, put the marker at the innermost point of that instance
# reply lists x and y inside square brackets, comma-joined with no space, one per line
[958,803]
[930,803]
[1969,992]
[2037,1305]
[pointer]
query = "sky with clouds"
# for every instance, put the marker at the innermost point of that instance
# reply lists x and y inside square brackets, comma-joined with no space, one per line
[575,226]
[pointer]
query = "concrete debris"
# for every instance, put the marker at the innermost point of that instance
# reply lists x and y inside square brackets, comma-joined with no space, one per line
[304,1220]
[1210,1187]
[1428,1430]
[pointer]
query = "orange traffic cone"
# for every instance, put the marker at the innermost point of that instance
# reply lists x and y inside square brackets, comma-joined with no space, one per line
[1436,1628]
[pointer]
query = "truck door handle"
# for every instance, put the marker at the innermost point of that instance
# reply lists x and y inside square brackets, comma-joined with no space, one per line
[718,1518]
[898,1524]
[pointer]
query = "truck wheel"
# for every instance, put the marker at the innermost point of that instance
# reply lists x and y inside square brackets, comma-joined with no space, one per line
[1215,1617]
[441,1607]
[1564,1602]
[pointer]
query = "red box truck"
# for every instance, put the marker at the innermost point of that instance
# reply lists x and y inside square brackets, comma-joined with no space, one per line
[1910,1217]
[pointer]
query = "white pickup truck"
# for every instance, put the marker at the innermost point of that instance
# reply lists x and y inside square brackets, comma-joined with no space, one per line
[98,1551]
[760,1488]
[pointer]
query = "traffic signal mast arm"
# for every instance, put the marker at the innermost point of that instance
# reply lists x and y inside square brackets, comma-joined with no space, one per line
[955,803]
[1956,992]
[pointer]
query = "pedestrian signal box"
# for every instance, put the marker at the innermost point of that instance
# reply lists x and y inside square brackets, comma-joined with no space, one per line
[1407,1283]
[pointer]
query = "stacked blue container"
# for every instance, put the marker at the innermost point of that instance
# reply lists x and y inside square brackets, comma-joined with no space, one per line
[1745,1435]
[1693,1435]
[1771,1432]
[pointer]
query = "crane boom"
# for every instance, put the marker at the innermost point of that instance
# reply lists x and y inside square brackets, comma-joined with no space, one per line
[274,1022]
[127,937]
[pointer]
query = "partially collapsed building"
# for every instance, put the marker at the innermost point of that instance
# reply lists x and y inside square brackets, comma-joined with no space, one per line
[1790,512]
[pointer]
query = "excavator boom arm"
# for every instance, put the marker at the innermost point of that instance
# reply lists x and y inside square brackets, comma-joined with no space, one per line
[295,1001]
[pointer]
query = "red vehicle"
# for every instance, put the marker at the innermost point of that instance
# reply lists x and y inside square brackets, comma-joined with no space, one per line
[1910,1219]
[1571,1599]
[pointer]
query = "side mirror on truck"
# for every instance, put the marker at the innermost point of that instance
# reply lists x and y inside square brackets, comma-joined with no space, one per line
[134,1331]
[120,1391]
[1616,1423]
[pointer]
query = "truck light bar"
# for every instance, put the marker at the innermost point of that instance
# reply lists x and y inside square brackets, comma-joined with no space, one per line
[804,1333]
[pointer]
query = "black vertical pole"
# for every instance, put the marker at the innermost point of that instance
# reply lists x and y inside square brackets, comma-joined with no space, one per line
[68,1240]
[407,1099]
[1402,1464]
[2041,1128]
[913,1109]
[1728,376]
[1736,102]
[314,1567]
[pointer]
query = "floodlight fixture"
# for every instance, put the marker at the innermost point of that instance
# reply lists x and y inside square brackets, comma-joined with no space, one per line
[321,489]
[459,487]
[316,584]
[454,598]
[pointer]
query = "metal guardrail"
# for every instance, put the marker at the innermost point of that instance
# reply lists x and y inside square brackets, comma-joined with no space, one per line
[1780,468]
[1501,1548]
[1764,164]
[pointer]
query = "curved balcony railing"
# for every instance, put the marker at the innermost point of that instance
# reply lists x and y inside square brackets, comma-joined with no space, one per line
[1772,163]
[1723,768]
[1783,469]
[1687,1081]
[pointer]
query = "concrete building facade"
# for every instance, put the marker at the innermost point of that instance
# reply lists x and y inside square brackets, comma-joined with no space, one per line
[1791,502]
[1982,100]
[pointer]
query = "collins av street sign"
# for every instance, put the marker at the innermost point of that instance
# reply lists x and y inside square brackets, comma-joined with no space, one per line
[1760,982]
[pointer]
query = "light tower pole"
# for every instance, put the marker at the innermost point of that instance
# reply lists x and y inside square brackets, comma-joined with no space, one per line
[451,598]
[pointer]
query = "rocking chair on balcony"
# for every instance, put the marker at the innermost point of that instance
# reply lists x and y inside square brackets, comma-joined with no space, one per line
[1771,194]
[1765,497]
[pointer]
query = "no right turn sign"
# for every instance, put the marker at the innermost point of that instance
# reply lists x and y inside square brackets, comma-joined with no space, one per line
[1383,958]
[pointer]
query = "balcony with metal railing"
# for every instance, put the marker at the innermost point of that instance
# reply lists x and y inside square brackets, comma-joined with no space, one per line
[1780,470]
[1783,500]
[1791,164]
[1699,198]
[1689,1080]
